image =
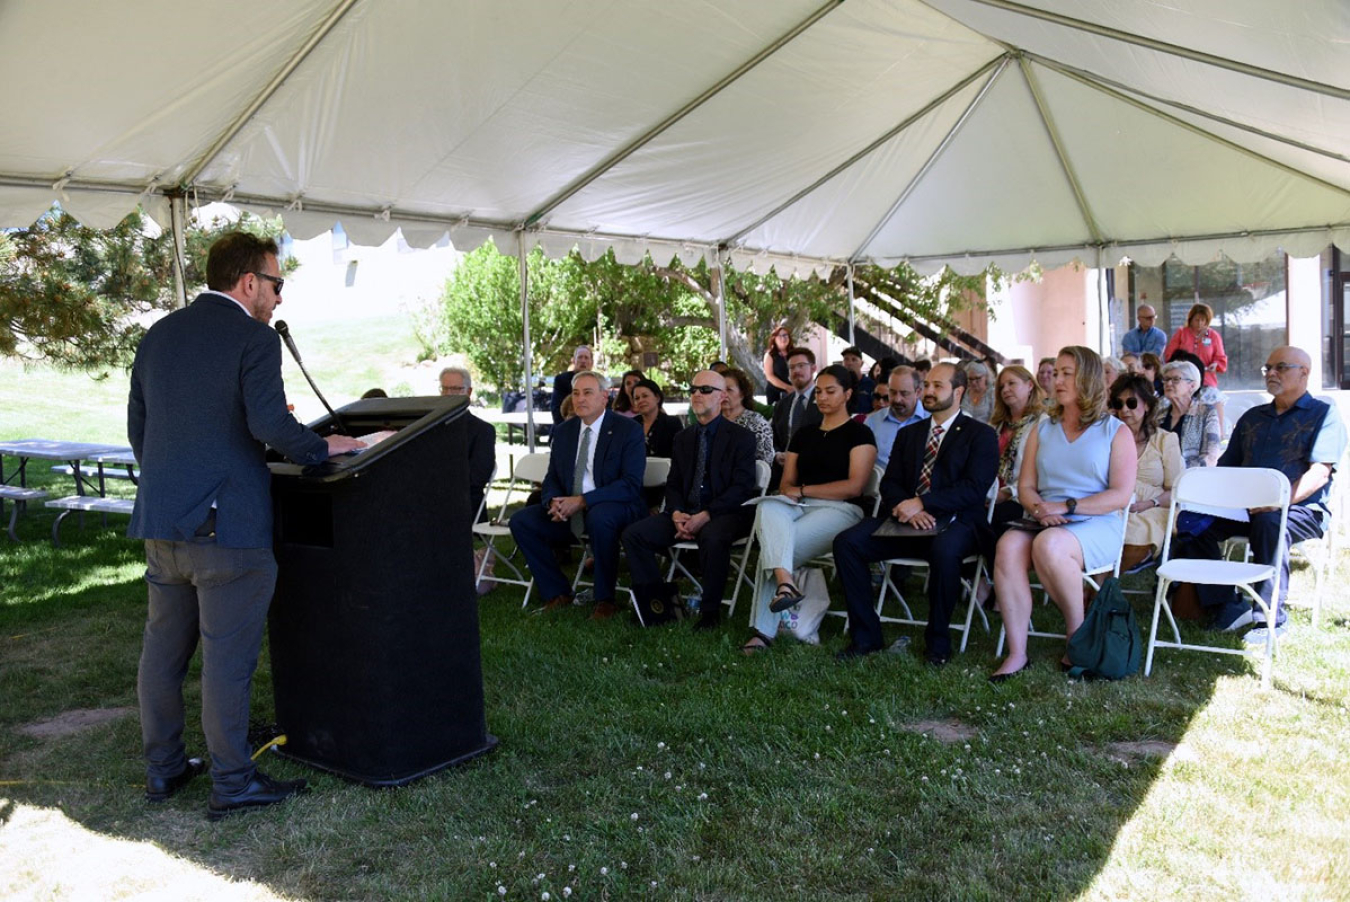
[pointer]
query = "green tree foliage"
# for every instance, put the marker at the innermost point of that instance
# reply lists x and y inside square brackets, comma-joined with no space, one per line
[80,298]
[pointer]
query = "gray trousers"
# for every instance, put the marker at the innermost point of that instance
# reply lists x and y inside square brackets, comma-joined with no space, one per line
[199,590]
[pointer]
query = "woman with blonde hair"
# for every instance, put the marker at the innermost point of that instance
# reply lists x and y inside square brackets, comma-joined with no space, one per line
[1078,473]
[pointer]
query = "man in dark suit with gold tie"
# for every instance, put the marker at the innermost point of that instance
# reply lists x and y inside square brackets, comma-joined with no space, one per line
[936,481]
[206,401]
[593,487]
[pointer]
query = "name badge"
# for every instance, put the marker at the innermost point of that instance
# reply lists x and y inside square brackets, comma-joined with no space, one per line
[1207,341]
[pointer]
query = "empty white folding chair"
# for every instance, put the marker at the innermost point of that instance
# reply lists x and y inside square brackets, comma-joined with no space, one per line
[740,549]
[1206,489]
[527,473]
[1090,577]
[889,587]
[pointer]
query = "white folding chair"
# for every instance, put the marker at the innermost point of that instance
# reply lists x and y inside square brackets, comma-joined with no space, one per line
[1207,488]
[762,474]
[528,471]
[889,586]
[654,475]
[1090,577]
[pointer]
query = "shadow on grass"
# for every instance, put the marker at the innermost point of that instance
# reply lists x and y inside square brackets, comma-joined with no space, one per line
[658,762]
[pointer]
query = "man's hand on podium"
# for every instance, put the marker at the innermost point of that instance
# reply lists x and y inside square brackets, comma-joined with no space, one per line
[342,444]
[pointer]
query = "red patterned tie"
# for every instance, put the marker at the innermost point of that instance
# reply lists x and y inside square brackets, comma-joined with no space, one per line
[929,459]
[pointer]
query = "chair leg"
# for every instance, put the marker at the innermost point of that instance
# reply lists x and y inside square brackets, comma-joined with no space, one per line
[1153,627]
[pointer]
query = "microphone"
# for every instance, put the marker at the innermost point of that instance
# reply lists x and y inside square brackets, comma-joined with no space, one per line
[285,332]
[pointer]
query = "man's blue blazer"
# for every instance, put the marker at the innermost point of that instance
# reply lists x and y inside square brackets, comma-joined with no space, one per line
[620,461]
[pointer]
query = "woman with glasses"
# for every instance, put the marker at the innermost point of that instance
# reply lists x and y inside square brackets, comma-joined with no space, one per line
[739,388]
[1160,466]
[1078,473]
[658,426]
[776,383]
[1195,422]
[825,472]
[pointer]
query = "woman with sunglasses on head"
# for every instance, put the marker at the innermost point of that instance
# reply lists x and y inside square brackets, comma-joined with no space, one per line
[776,383]
[1077,474]
[1195,422]
[623,402]
[825,472]
[1159,467]
[739,390]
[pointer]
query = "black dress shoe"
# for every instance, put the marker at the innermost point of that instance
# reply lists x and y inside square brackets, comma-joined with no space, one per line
[261,790]
[159,789]
[855,651]
[937,658]
[708,621]
[1004,677]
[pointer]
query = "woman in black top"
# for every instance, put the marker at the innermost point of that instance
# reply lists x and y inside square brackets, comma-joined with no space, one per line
[826,471]
[658,426]
[776,383]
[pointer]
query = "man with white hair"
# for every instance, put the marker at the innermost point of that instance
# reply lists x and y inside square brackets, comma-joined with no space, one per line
[582,361]
[482,437]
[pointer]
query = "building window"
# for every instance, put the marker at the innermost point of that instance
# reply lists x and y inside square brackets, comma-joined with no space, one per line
[1250,310]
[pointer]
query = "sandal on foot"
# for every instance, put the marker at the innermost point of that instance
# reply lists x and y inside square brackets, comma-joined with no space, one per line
[749,648]
[786,596]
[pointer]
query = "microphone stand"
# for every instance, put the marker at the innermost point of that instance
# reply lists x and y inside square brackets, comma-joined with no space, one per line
[285,332]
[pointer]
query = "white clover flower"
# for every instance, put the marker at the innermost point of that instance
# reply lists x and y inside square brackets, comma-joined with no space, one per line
[604,871]
[633,816]
[703,797]
[545,896]
[501,890]
[567,890]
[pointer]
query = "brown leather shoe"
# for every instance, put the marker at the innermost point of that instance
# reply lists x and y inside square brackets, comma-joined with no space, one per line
[604,610]
[558,602]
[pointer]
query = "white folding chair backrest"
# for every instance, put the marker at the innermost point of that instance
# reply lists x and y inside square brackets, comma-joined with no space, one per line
[532,467]
[873,489]
[1231,488]
[657,472]
[763,473]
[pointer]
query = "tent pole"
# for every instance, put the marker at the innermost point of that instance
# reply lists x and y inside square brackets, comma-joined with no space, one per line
[851,339]
[177,217]
[720,286]
[525,338]
[1103,310]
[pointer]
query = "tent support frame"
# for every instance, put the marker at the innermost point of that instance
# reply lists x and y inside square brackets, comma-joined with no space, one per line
[1070,176]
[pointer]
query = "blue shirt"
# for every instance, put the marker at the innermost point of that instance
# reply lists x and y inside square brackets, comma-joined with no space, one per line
[884,426]
[1137,341]
[1309,432]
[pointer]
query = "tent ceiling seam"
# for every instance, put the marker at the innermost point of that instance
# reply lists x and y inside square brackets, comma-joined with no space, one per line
[1066,70]
[343,7]
[1204,133]
[928,164]
[657,130]
[891,133]
[1070,176]
[1198,56]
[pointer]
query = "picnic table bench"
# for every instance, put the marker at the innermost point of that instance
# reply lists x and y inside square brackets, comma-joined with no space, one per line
[86,503]
[20,496]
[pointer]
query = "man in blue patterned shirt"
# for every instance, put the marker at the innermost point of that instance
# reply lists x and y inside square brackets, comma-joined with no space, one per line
[1303,438]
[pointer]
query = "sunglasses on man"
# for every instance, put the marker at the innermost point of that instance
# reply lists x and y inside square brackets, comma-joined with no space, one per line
[704,389]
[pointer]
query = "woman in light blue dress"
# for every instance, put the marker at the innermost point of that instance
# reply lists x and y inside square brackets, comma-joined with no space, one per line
[1077,477]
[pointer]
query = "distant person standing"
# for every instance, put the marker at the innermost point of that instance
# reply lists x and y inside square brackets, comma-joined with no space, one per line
[776,379]
[582,361]
[206,400]
[1147,338]
[1199,339]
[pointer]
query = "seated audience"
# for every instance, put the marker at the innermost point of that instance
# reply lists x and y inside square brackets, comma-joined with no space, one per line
[1195,423]
[719,367]
[1303,438]
[979,400]
[623,401]
[1077,475]
[1045,376]
[1112,369]
[375,393]
[938,476]
[881,399]
[712,475]
[582,360]
[1152,370]
[658,427]
[777,381]
[1133,364]
[904,388]
[1207,394]
[798,408]
[924,366]
[825,472]
[1159,467]
[864,384]
[482,437]
[593,487]
[739,391]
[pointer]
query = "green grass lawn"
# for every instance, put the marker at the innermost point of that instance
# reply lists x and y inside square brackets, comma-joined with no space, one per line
[661,764]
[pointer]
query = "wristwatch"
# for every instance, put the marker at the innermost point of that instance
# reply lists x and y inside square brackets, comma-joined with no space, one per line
[1072,505]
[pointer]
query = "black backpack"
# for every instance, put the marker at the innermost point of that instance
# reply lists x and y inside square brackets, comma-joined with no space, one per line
[1107,646]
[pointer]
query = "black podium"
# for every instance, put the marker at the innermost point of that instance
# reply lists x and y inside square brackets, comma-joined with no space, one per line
[374,626]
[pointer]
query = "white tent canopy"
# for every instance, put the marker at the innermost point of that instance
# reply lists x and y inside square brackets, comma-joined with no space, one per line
[792,132]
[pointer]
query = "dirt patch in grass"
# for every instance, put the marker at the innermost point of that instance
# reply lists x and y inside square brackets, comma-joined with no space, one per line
[69,722]
[949,731]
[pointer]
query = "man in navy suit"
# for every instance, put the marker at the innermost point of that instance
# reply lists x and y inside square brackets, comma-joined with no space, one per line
[593,485]
[206,399]
[937,479]
[703,506]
